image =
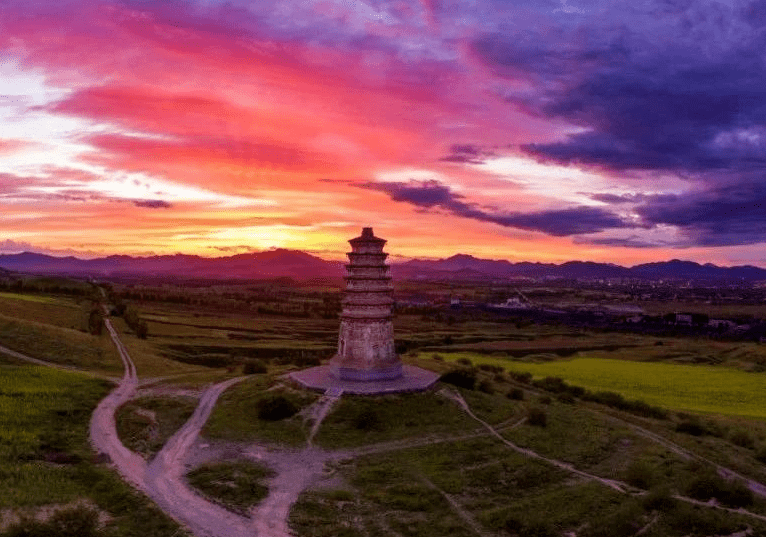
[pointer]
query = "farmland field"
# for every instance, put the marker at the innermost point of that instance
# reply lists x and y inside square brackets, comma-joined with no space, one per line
[29,298]
[697,388]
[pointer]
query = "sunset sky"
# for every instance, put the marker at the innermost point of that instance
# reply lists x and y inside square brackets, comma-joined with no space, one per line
[544,131]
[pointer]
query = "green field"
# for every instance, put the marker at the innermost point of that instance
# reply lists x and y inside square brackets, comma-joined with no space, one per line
[699,388]
[30,298]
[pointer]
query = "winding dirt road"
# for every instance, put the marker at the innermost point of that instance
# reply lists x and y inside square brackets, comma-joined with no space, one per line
[103,428]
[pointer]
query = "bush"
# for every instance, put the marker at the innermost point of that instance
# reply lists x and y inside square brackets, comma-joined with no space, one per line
[729,493]
[486,386]
[276,407]
[659,499]
[544,400]
[551,384]
[254,367]
[517,394]
[693,520]
[521,376]
[566,398]
[463,378]
[437,357]
[367,419]
[625,521]
[537,417]
[742,439]
[491,368]
[640,474]
[692,427]
[465,361]
[529,528]
[761,454]
[72,522]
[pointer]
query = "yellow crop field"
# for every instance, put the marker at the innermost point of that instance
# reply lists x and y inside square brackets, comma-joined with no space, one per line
[719,390]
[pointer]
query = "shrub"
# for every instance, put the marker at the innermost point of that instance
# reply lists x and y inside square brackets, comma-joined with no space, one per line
[729,493]
[761,453]
[566,398]
[659,499]
[544,400]
[437,357]
[640,474]
[367,419]
[521,376]
[254,367]
[486,386]
[742,439]
[491,368]
[465,361]
[693,520]
[551,384]
[625,521]
[529,528]
[72,522]
[463,378]
[537,417]
[516,394]
[691,426]
[275,407]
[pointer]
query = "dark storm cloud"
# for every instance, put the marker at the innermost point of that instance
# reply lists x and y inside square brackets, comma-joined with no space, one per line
[670,87]
[723,215]
[559,223]
[675,86]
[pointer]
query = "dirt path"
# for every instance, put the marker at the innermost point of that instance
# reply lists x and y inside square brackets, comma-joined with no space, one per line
[619,486]
[103,428]
[163,479]
[165,484]
[755,486]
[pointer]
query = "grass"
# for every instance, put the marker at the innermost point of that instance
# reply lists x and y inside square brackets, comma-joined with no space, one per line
[237,485]
[59,345]
[235,416]
[45,457]
[695,388]
[365,420]
[145,424]
[64,312]
[29,298]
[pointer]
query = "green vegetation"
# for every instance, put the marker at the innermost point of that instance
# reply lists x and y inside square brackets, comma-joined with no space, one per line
[365,420]
[29,298]
[237,485]
[45,459]
[59,345]
[147,423]
[696,388]
[244,413]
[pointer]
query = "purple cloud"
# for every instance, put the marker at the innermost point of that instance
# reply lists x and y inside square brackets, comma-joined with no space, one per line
[559,222]
[152,204]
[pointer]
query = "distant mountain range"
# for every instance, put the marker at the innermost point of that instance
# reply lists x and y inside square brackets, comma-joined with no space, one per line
[302,266]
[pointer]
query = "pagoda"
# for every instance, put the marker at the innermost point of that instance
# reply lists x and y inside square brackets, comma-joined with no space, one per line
[366,338]
[366,362]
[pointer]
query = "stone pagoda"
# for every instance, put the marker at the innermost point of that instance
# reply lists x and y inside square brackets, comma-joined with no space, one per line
[366,361]
[366,339]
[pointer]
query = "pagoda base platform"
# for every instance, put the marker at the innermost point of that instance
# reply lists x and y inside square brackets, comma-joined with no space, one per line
[321,378]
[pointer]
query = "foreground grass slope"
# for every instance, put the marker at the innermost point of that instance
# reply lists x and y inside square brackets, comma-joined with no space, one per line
[46,461]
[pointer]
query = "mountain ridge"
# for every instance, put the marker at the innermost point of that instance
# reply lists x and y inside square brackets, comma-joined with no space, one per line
[301,265]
